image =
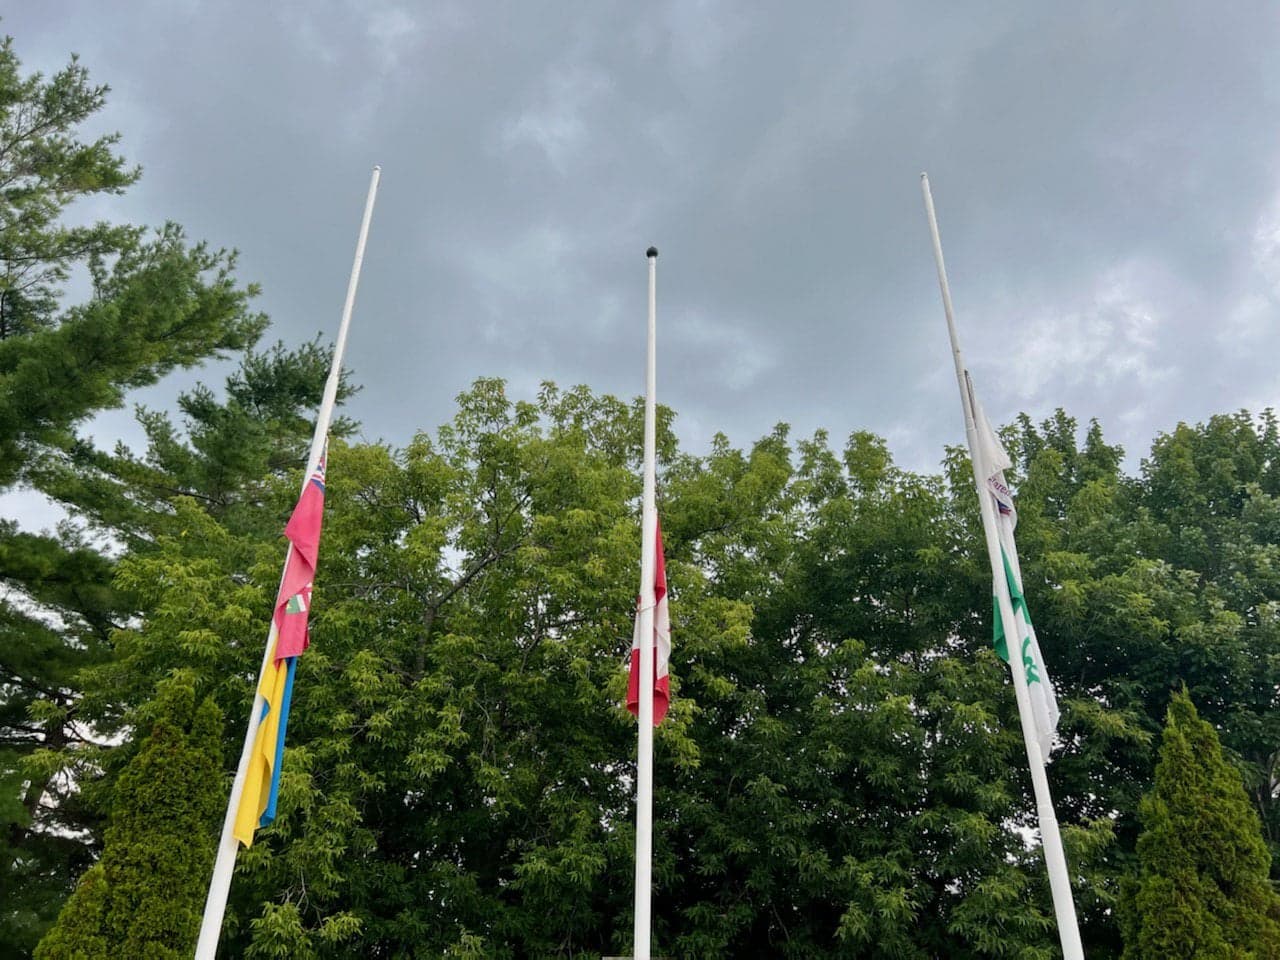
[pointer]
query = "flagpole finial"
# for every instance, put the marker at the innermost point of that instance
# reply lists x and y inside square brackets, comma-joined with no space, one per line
[652,253]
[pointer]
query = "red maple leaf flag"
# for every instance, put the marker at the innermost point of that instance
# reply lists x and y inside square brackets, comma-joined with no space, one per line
[661,645]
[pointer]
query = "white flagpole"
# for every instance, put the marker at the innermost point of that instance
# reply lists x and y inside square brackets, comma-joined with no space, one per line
[220,883]
[648,538]
[1055,858]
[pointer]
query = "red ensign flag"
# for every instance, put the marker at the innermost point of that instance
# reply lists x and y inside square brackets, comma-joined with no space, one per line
[293,603]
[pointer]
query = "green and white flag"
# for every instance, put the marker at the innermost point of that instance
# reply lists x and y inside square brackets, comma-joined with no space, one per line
[1044,705]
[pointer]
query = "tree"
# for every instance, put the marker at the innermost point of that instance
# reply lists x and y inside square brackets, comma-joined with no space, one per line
[1211,506]
[837,776]
[1202,889]
[859,755]
[144,898]
[227,460]
[157,303]
[841,775]
[1167,576]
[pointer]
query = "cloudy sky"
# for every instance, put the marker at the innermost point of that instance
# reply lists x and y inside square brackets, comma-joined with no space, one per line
[1107,178]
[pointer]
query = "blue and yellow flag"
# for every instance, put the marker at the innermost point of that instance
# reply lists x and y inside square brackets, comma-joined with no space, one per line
[262,780]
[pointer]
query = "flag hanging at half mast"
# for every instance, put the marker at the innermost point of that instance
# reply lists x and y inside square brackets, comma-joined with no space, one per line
[289,636]
[1044,705]
[661,644]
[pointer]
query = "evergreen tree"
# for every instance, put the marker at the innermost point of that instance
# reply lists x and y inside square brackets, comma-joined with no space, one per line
[1202,891]
[221,473]
[157,303]
[144,898]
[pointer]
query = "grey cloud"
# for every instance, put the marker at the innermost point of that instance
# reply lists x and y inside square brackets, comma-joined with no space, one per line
[1106,181]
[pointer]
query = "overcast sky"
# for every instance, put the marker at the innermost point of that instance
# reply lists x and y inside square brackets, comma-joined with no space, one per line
[1107,178]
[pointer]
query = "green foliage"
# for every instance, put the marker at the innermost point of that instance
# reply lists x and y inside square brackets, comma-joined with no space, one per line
[38,659]
[1202,890]
[145,897]
[45,169]
[841,774]
[156,303]
[854,780]
[1139,583]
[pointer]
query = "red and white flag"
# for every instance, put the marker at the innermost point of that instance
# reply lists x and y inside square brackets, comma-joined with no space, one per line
[661,645]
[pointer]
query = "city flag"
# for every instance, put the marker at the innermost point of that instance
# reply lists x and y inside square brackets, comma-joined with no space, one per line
[290,638]
[1044,705]
[661,645]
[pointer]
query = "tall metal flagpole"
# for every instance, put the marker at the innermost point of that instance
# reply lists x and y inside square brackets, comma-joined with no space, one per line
[648,538]
[1055,859]
[220,883]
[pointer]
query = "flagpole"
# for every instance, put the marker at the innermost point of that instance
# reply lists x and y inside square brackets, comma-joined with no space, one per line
[1055,858]
[228,847]
[648,537]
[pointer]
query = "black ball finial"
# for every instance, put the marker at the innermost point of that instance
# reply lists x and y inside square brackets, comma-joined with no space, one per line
[651,253]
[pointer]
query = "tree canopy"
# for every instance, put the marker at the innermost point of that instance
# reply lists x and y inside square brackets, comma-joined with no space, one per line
[841,773]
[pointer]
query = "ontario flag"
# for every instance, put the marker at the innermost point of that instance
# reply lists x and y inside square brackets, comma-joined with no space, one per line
[290,637]
[661,644]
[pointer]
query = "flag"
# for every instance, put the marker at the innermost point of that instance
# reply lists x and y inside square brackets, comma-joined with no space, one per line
[1044,705]
[661,644]
[289,637]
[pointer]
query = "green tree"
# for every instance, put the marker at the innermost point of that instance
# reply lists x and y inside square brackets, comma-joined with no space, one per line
[156,303]
[144,898]
[859,754]
[1202,889]
[838,776]
[1210,506]
[1140,581]
[228,460]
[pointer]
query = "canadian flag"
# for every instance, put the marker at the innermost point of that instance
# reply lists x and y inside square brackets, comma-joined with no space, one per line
[661,645]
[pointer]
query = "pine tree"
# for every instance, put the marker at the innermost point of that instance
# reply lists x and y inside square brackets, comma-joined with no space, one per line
[1202,891]
[157,303]
[144,898]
